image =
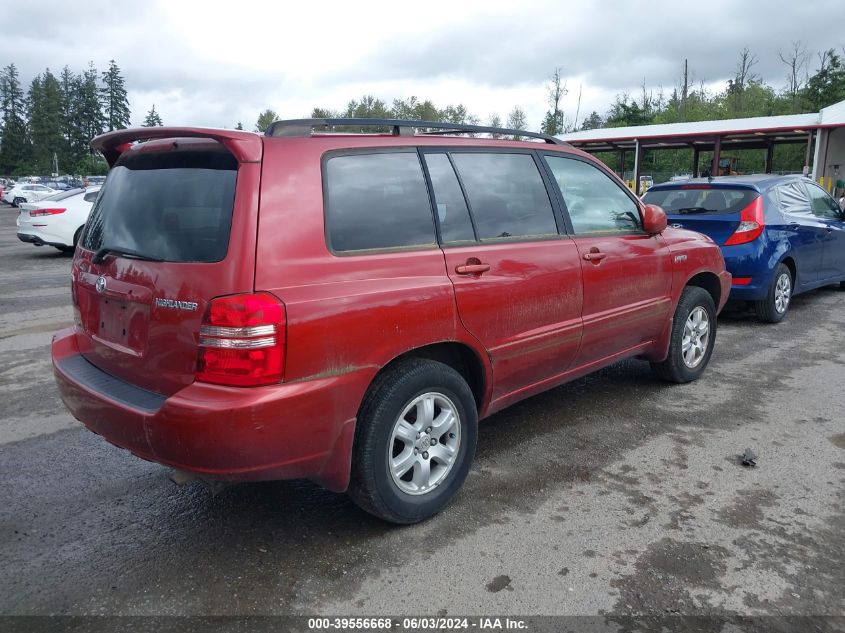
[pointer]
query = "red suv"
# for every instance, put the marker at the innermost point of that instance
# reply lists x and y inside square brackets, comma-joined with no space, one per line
[345,307]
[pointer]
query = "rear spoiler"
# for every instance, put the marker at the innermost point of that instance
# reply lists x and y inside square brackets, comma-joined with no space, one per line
[245,146]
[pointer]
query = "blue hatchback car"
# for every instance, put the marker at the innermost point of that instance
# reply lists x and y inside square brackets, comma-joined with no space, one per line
[780,235]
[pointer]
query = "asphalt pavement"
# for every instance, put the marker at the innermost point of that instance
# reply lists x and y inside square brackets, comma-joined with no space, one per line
[616,494]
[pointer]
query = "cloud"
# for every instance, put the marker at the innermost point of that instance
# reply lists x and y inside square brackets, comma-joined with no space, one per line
[215,63]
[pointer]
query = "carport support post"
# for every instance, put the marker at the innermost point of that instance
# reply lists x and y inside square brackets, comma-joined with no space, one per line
[770,152]
[696,158]
[807,153]
[717,150]
[622,164]
[638,159]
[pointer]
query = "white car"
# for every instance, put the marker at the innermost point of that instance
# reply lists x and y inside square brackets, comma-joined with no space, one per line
[58,220]
[27,192]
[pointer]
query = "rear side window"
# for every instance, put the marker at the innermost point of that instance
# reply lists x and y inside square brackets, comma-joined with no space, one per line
[174,206]
[700,200]
[377,201]
[792,198]
[507,196]
[594,202]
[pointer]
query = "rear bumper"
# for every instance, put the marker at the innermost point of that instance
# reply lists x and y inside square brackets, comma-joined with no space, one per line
[38,240]
[287,431]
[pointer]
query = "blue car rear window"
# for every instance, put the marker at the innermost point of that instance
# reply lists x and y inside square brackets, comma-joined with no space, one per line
[700,200]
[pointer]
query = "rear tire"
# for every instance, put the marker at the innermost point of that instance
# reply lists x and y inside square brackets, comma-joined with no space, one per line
[774,307]
[693,336]
[422,413]
[18,202]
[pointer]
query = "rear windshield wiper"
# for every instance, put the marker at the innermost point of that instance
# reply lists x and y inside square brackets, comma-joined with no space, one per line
[125,252]
[695,210]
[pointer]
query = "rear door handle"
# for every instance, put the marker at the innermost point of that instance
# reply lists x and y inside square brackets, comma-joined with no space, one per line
[594,256]
[472,269]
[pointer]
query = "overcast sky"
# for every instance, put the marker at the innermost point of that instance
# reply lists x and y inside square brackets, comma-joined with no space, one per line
[216,63]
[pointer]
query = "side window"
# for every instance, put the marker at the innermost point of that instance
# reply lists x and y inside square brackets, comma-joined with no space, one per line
[507,196]
[91,196]
[792,198]
[377,201]
[595,203]
[822,204]
[452,212]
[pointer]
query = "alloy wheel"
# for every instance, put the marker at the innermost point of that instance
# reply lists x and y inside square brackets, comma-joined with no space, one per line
[424,443]
[696,337]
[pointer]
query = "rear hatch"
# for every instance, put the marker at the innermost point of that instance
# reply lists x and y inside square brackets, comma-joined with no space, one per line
[174,227]
[710,209]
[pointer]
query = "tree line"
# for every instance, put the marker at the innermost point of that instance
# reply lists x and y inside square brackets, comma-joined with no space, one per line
[58,115]
[811,82]
[54,120]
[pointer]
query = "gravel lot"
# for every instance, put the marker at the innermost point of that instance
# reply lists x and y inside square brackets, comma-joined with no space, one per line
[613,495]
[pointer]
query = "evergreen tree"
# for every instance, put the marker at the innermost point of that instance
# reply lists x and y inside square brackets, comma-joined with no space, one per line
[75,143]
[114,100]
[44,110]
[239,126]
[592,122]
[14,154]
[91,119]
[265,119]
[152,119]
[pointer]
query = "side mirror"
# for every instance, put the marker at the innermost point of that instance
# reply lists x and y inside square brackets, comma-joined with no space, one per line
[654,219]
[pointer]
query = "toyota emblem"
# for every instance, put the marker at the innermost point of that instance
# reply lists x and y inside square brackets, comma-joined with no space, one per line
[101,284]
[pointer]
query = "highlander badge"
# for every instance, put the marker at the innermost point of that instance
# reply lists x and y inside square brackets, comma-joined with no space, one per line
[176,304]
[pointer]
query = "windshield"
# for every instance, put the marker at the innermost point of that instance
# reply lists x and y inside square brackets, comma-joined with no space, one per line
[172,206]
[700,200]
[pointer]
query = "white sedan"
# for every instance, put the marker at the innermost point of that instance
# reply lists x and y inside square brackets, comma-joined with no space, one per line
[56,221]
[27,192]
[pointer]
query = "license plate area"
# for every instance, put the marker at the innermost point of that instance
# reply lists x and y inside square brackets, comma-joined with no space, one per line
[123,323]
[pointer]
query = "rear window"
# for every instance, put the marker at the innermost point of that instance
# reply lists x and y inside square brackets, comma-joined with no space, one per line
[174,206]
[64,194]
[700,200]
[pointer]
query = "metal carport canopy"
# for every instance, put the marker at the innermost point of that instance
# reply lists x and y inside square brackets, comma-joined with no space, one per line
[705,136]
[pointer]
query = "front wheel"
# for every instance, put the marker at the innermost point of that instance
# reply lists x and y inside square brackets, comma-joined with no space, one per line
[693,337]
[773,308]
[415,439]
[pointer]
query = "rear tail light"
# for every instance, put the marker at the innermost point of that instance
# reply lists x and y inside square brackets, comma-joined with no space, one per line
[242,341]
[751,223]
[39,212]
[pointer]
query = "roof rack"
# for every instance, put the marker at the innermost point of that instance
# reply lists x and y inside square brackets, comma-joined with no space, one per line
[400,127]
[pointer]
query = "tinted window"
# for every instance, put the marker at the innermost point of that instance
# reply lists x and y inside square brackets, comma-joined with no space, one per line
[792,198]
[452,213]
[700,201]
[377,201]
[506,194]
[176,206]
[823,205]
[595,203]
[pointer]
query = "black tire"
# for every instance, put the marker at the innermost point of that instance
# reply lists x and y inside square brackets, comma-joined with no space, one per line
[18,201]
[372,485]
[767,309]
[674,368]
